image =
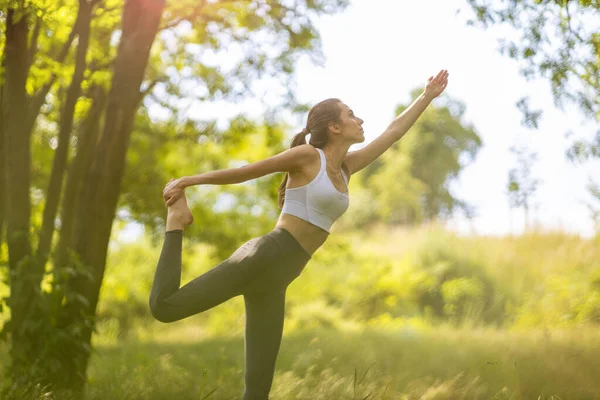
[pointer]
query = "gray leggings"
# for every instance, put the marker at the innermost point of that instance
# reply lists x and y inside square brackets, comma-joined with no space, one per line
[260,270]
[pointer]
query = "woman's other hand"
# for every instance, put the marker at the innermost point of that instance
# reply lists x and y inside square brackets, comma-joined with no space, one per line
[173,190]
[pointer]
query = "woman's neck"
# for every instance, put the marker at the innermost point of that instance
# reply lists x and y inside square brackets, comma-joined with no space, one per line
[335,155]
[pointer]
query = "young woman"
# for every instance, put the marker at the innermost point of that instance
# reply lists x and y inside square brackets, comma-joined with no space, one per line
[313,195]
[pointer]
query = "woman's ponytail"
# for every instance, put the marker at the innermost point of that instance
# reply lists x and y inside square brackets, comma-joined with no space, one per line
[319,117]
[298,140]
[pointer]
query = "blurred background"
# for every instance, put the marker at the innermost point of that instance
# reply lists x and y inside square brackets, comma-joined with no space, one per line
[468,264]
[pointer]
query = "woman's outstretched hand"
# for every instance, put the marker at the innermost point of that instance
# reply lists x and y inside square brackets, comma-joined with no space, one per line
[435,86]
[173,190]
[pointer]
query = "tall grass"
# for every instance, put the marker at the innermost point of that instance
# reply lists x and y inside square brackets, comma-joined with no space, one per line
[411,363]
[404,314]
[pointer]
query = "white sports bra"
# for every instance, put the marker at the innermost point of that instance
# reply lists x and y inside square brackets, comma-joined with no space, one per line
[318,202]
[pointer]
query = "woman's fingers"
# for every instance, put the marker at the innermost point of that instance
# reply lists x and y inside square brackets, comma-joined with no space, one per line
[438,84]
[168,185]
[172,200]
[442,77]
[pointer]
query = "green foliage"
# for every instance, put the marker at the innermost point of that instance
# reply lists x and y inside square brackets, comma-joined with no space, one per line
[401,203]
[417,277]
[266,40]
[455,285]
[225,215]
[562,301]
[463,297]
[54,344]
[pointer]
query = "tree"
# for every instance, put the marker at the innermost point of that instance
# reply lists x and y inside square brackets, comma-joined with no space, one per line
[410,183]
[522,185]
[225,215]
[559,41]
[52,87]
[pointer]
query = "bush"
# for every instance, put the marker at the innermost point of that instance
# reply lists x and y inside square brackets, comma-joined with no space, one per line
[393,275]
[455,284]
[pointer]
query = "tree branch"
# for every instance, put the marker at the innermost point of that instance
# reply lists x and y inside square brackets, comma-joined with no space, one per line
[34,41]
[38,99]
[195,12]
[569,26]
[151,87]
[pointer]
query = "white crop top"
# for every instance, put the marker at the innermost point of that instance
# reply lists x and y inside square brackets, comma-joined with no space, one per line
[317,202]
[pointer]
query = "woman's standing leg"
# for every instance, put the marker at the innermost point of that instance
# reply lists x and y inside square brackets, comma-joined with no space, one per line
[265,311]
[264,328]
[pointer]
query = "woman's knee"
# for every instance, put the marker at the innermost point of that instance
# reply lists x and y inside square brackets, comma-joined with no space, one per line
[159,311]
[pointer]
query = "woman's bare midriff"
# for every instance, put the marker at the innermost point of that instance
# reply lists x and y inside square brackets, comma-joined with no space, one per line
[308,235]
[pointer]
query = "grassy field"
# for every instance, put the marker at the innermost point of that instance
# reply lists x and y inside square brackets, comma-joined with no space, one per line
[411,363]
[179,362]
[356,326]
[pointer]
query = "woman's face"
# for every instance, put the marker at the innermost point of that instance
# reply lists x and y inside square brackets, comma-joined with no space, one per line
[350,125]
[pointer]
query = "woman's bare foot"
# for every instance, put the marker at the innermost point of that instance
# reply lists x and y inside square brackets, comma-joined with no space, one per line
[179,215]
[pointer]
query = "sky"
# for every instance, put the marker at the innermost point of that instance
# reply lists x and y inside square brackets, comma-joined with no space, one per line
[377,51]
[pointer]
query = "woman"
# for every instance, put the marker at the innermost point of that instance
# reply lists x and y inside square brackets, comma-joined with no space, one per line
[313,195]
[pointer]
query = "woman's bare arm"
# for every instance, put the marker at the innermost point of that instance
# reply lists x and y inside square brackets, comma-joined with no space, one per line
[287,161]
[357,160]
[290,160]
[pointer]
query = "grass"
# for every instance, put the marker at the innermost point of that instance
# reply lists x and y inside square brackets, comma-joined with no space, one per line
[326,354]
[441,363]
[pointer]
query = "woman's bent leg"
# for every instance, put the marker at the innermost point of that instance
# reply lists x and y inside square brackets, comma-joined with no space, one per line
[169,302]
[264,327]
[167,277]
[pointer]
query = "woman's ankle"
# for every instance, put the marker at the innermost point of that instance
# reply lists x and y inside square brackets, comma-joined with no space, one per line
[175,222]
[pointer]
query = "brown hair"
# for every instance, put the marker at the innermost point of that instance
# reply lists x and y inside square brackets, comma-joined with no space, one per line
[319,118]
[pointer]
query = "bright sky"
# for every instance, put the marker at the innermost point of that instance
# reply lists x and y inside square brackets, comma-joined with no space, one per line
[377,51]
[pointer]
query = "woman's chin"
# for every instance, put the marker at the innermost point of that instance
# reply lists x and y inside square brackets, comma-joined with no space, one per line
[358,139]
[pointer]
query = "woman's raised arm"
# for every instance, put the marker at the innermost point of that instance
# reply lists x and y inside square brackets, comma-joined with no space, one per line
[357,160]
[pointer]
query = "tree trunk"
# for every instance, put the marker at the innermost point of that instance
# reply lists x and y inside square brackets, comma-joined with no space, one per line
[66,126]
[86,146]
[17,144]
[97,209]
[3,193]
